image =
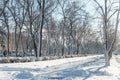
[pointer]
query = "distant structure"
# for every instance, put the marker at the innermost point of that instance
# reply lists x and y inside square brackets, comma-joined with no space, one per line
[2,38]
[21,45]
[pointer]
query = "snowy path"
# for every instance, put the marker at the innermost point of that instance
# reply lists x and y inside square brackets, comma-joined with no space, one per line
[79,68]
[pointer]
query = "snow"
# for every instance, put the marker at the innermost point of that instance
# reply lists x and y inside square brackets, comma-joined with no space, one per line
[78,68]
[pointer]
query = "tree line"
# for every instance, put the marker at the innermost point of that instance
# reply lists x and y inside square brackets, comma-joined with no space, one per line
[58,27]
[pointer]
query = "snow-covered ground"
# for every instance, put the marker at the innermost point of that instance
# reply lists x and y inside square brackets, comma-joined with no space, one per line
[78,68]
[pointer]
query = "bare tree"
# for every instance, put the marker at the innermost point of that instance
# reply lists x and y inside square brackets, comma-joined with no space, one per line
[31,17]
[18,20]
[106,15]
[6,24]
[42,16]
[62,4]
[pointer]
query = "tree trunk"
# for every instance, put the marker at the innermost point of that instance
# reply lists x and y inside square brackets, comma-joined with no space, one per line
[8,37]
[39,48]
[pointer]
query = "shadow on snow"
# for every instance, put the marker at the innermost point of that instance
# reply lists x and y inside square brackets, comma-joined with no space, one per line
[84,71]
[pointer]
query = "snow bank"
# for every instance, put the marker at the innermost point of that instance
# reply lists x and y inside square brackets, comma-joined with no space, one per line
[43,64]
[78,68]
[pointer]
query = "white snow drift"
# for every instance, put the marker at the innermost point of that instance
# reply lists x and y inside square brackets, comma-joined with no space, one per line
[78,68]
